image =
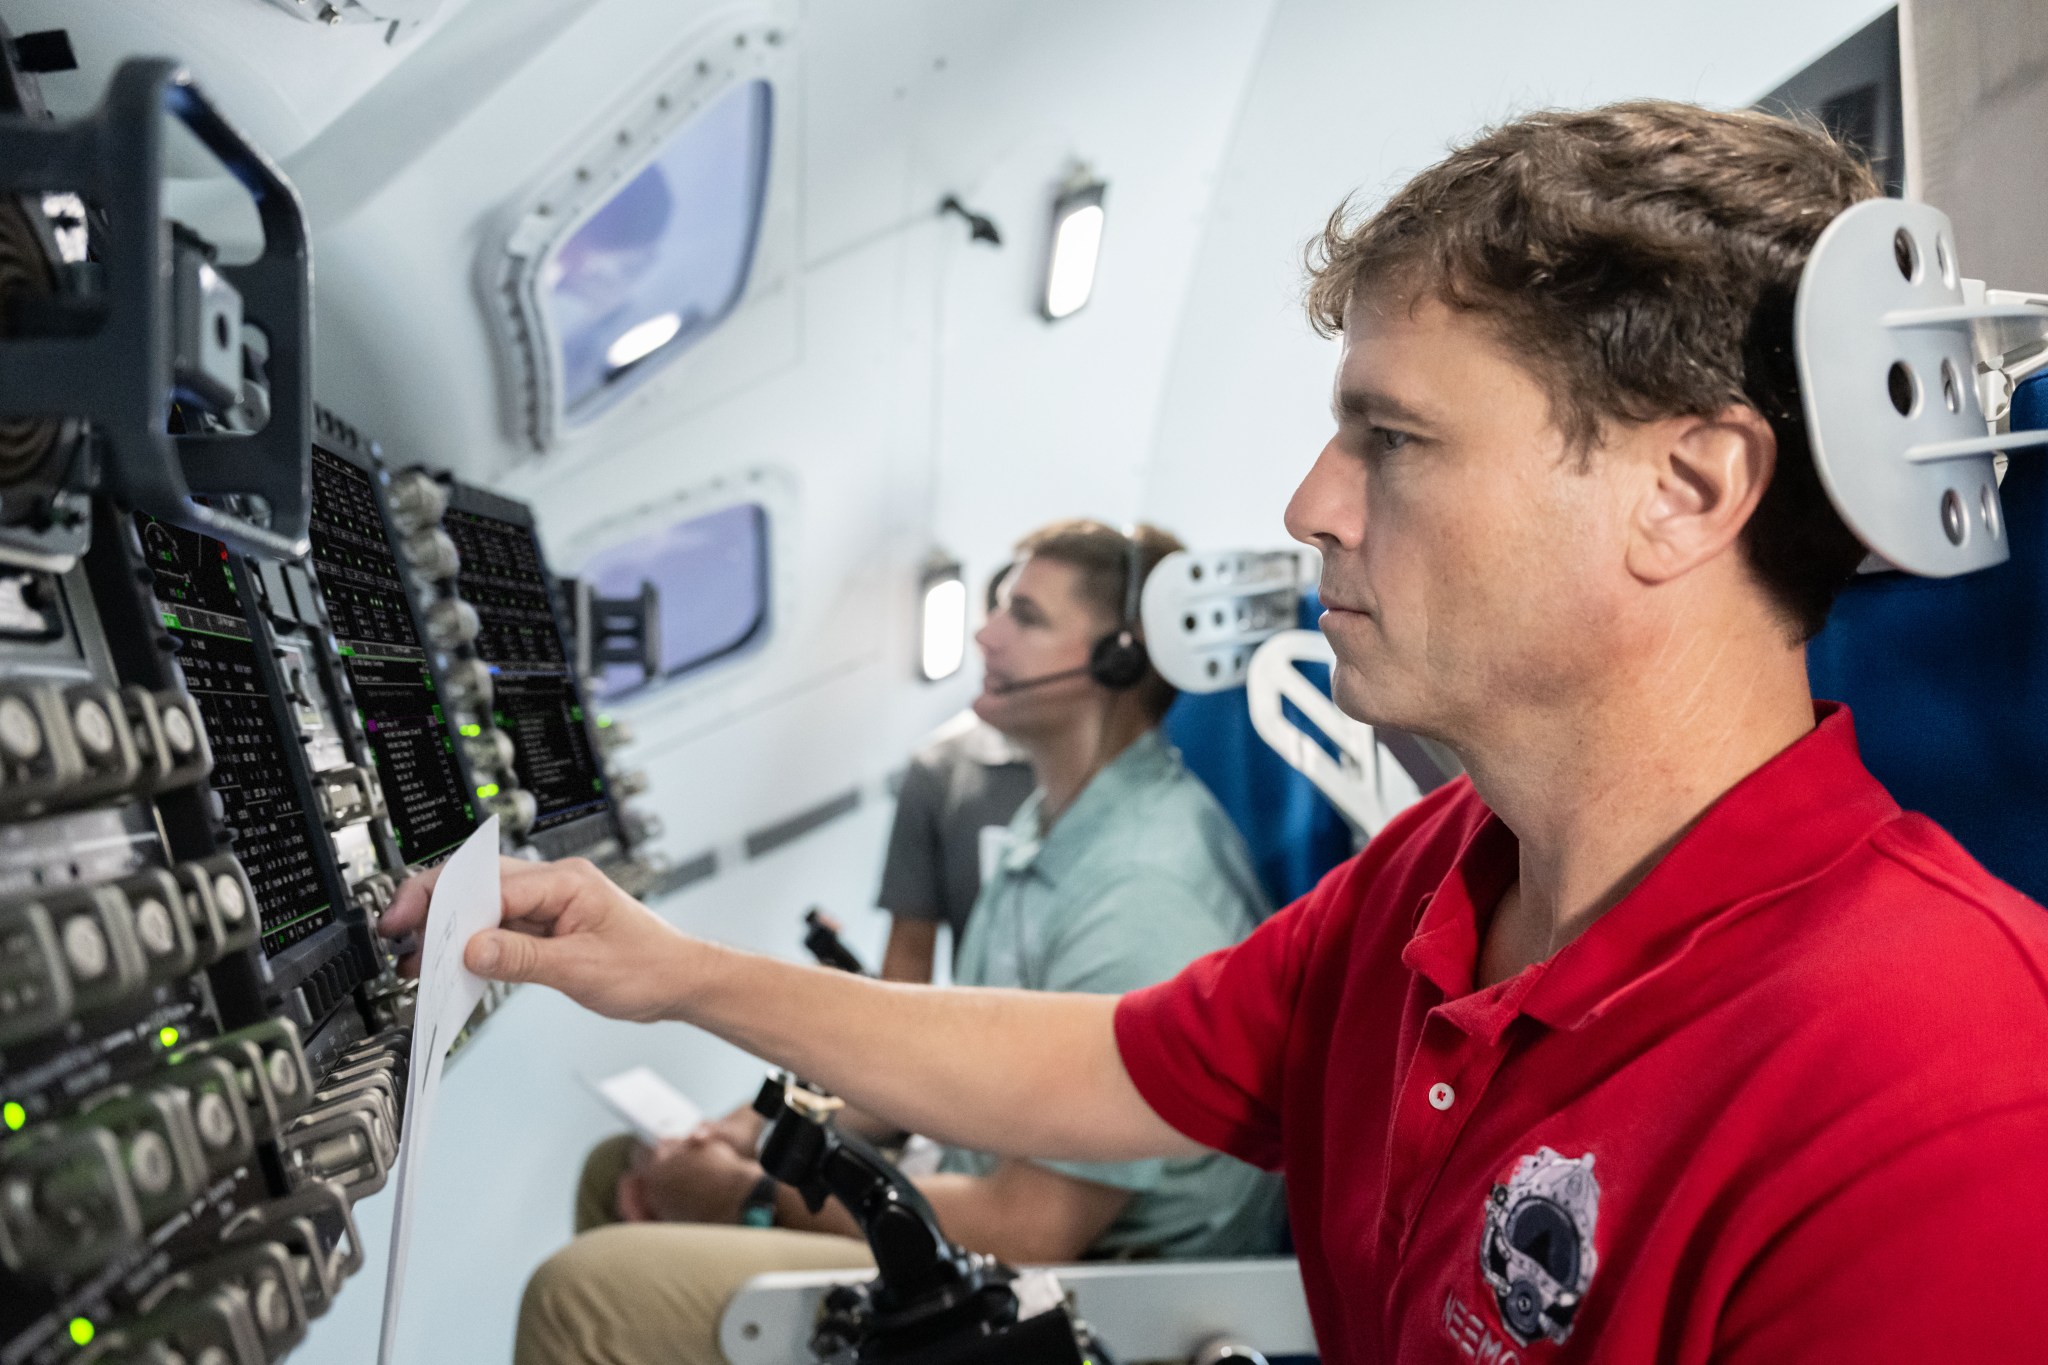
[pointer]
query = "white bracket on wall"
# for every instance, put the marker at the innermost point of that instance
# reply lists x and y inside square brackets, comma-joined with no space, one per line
[1904,368]
[1366,782]
[1205,613]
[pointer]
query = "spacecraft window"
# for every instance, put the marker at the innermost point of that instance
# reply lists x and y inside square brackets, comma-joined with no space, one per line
[712,572]
[665,259]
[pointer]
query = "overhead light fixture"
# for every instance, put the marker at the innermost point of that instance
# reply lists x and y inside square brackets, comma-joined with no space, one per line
[942,618]
[1076,245]
[643,339]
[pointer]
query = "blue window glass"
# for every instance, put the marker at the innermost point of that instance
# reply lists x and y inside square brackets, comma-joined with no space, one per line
[666,258]
[712,574]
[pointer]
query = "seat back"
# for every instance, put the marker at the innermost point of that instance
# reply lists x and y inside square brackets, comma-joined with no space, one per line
[1948,680]
[1293,833]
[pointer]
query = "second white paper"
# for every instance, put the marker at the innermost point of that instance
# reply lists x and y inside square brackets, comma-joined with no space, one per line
[466,899]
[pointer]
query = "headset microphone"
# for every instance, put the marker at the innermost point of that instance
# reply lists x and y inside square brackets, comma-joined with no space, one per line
[1026,684]
[1118,661]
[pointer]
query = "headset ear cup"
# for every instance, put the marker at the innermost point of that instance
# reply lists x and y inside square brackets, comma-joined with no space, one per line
[1119,662]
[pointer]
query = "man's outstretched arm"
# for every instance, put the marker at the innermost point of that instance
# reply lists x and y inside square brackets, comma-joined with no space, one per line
[1018,1073]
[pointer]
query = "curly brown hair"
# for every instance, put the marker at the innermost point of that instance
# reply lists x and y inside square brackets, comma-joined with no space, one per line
[1641,260]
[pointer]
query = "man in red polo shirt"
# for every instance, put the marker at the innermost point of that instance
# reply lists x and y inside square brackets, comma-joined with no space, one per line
[1666,1036]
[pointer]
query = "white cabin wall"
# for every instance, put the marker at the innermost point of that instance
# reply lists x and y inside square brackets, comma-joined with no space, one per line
[923,402]
[1353,99]
[912,399]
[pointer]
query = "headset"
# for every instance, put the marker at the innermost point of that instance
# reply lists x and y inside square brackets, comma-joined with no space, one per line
[1118,661]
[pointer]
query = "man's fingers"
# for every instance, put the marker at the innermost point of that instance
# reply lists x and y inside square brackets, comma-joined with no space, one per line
[408,908]
[538,893]
[502,955]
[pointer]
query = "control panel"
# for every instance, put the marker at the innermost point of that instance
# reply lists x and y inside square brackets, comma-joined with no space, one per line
[202,1046]
[250,677]
[538,694]
[421,721]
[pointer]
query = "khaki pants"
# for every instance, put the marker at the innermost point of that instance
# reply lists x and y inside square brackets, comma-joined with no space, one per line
[651,1293]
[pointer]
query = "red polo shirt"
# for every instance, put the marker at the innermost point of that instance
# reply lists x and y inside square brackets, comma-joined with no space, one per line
[1787,1101]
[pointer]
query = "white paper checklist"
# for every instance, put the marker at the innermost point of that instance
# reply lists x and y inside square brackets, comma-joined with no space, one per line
[465,900]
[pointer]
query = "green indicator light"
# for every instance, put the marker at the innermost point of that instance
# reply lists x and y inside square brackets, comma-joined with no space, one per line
[487,790]
[575,713]
[597,784]
[167,1035]
[170,619]
[82,1331]
[15,1116]
[604,722]
[472,731]
[347,653]
[437,713]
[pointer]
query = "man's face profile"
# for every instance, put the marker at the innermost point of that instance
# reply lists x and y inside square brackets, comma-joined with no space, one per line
[1042,626]
[1468,554]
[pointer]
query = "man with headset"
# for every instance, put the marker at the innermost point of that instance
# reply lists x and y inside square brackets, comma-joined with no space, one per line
[1120,870]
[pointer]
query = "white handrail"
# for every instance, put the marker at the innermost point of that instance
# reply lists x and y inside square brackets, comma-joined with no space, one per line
[1368,784]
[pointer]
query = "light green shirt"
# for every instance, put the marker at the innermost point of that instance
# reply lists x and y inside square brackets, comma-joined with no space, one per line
[1143,874]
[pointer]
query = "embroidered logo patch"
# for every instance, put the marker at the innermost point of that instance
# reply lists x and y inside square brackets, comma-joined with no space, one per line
[1536,1252]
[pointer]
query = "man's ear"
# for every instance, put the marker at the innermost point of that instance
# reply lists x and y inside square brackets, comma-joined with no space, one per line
[1707,475]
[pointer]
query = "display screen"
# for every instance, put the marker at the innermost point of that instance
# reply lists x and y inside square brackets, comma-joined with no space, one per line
[431,808]
[194,587]
[537,699]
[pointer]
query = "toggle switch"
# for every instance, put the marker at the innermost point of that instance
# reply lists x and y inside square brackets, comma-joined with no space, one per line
[449,622]
[35,989]
[169,740]
[350,1142]
[317,1229]
[220,909]
[346,795]
[96,932]
[99,730]
[431,555]
[169,949]
[66,1207]
[416,500]
[220,1120]
[640,826]
[216,1327]
[468,685]
[515,807]
[159,1149]
[490,751]
[270,1072]
[37,761]
[373,893]
[262,1271]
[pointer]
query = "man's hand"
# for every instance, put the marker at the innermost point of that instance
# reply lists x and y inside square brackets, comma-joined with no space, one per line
[739,1130]
[566,926]
[697,1179]
[969,1067]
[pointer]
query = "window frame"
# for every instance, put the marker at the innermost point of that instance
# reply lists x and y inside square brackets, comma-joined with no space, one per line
[774,492]
[756,631]
[513,267]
